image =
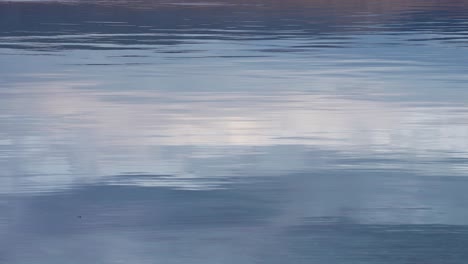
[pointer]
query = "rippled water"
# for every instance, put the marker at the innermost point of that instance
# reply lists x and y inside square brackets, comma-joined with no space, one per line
[234,131]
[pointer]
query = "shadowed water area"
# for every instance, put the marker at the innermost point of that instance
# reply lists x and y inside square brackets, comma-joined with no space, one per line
[262,131]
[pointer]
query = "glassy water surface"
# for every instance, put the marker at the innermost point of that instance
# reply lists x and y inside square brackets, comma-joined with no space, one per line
[232,131]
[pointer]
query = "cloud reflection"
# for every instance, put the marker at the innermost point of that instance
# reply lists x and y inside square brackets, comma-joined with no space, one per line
[73,132]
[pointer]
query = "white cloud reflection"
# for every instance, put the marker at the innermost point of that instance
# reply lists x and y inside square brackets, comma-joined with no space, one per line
[69,133]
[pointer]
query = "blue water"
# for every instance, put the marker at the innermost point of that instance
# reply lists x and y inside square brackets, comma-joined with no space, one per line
[232,131]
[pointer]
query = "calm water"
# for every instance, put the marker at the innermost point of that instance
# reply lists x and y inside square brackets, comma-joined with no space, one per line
[234,131]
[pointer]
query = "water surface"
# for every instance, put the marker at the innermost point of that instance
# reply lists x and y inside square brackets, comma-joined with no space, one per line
[234,131]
